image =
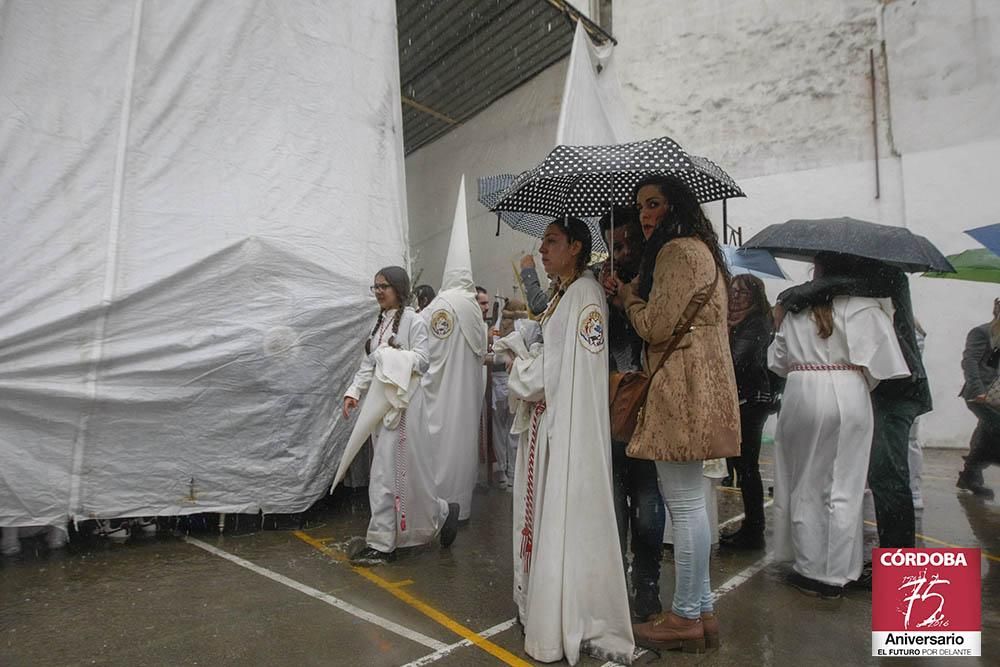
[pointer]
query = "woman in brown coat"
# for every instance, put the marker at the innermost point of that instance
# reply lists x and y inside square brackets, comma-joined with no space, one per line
[692,411]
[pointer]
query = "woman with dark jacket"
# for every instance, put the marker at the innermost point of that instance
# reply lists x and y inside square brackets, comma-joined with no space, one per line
[750,333]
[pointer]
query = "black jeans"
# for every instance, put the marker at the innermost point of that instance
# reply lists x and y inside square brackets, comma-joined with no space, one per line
[984,447]
[889,472]
[638,505]
[752,418]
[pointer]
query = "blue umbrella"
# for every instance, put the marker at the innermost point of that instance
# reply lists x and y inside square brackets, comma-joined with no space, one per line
[760,263]
[989,236]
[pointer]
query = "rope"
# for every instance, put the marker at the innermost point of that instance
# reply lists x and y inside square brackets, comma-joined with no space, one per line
[401,473]
[527,533]
[825,367]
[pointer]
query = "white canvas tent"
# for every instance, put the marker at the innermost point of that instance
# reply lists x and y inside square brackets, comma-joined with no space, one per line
[195,199]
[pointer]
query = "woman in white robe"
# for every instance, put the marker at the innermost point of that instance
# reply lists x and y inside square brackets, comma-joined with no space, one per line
[405,508]
[824,432]
[569,578]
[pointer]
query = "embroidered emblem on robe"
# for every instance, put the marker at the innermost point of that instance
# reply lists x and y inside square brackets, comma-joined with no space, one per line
[442,323]
[591,329]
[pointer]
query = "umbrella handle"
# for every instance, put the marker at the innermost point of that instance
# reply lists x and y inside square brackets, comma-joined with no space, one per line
[498,223]
[611,250]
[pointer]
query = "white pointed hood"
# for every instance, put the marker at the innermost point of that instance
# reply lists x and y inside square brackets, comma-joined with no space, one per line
[458,288]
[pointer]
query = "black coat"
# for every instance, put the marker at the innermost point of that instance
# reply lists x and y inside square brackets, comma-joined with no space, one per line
[748,342]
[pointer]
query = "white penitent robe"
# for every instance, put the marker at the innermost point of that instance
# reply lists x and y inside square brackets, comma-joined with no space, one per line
[453,390]
[567,558]
[824,434]
[406,510]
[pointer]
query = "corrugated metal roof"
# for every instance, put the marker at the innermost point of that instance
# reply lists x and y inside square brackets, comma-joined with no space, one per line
[456,57]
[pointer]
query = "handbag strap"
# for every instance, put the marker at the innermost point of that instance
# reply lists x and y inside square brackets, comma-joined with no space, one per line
[687,325]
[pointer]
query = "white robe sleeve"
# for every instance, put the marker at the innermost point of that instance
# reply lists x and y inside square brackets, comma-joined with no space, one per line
[420,343]
[777,352]
[362,379]
[872,343]
[526,379]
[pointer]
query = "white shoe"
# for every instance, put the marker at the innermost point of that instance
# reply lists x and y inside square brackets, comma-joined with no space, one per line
[117,533]
[147,525]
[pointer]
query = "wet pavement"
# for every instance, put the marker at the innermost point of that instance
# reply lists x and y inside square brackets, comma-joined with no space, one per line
[286,597]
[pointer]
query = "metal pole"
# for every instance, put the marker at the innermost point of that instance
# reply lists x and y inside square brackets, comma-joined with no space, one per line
[871,64]
[611,240]
[725,222]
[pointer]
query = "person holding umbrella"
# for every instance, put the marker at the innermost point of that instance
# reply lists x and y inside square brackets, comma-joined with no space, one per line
[896,402]
[678,302]
[638,505]
[833,355]
[570,583]
[890,252]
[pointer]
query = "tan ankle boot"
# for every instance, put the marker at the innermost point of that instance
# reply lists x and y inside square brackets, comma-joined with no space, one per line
[710,622]
[671,632]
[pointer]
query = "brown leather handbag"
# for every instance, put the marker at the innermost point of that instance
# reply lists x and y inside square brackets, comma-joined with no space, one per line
[627,391]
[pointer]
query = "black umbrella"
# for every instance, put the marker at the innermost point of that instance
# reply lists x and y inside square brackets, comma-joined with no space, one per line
[492,188]
[802,239]
[584,181]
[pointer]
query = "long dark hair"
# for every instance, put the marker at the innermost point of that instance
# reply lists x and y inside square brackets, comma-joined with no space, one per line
[759,304]
[424,295]
[685,218]
[831,265]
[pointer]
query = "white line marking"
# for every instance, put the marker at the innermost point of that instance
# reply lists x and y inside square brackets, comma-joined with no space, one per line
[395,628]
[729,586]
[741,577]
[440,653]
[738,517]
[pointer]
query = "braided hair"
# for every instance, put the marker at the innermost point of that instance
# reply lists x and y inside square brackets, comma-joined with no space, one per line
[378,323]
[685,218]
[395,326]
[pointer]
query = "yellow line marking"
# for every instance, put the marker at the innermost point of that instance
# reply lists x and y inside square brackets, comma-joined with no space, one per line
[926,538]
[421,606]
[404,582]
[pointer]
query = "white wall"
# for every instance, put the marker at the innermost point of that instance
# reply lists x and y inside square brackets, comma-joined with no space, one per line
[778,92]
[512,135]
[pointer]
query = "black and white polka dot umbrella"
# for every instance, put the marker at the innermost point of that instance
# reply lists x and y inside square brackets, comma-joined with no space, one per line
[583,181]
[492,188]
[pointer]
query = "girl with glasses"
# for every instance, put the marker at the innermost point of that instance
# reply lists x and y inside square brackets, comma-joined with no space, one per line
[405,509]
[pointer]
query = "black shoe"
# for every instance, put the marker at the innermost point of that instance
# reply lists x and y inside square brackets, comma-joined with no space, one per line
[815,588]
[646,604]
[449,531]
[864,582]
[744,540]
[971,480]
[372,556]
